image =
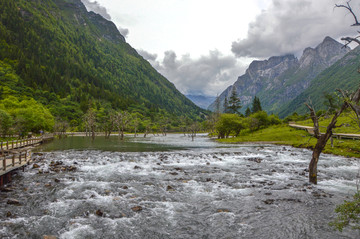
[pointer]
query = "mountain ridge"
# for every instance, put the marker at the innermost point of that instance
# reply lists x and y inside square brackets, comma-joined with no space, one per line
[279,79]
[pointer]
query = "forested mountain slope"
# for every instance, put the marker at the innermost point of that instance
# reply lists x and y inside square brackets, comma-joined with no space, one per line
[65,57]
[344,74]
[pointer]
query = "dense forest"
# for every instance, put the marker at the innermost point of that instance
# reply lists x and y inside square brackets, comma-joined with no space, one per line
[66,61]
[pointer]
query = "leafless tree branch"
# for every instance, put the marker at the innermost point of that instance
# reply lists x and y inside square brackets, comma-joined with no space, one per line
[348,7]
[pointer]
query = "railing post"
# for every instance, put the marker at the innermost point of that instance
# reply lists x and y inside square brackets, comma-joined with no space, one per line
[20,158]
[7,145]
[4,163]
[13,160]
[12,144]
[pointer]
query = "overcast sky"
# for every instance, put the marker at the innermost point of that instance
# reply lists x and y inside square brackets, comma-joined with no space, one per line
[202,46]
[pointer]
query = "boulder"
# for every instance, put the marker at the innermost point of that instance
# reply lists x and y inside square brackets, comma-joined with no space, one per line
[99,213]
[137,209]
[269,201]
[12,201]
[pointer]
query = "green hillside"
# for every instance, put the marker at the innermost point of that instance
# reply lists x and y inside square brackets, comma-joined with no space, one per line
[342,75]
[65,58]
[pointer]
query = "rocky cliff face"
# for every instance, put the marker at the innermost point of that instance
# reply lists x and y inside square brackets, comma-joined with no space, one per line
[281,78]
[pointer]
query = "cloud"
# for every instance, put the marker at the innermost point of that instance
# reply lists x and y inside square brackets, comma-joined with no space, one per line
[97,8]
[124,31]
[289,26]
[148,56]
[208,75]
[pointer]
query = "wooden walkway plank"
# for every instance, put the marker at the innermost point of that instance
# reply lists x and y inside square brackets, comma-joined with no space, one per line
[310,130]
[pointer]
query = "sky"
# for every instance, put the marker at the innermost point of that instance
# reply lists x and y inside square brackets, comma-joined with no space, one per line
[202,46]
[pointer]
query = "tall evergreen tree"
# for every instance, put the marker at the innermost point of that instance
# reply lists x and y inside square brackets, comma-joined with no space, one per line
[247,112]
[234,102]
[256,105]
[217,105]
[226,106]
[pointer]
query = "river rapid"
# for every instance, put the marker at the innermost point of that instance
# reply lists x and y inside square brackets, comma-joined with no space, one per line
[172,187]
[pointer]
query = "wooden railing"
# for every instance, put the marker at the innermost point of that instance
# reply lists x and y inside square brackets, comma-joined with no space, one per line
[15,144]
[14,160]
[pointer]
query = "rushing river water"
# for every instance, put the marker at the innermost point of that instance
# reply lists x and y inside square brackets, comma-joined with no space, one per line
[171,187]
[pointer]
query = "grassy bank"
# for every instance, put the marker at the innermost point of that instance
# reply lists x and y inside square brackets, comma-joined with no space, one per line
[285,135]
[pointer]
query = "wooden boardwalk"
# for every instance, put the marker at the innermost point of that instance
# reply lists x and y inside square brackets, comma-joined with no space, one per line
[310,130]
[16,154]
[16,144]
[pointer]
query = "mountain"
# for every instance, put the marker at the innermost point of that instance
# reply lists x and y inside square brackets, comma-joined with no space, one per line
[201,100]
[344,74]
[68,58]
[280,79]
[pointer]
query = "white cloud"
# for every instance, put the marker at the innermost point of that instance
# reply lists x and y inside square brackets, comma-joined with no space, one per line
[207,75]
[95,7]
[289,26]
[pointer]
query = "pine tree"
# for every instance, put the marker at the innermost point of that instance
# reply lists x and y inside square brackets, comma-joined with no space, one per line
[234,102]
[217,105]
[247,112]
[226,106]
[256,105]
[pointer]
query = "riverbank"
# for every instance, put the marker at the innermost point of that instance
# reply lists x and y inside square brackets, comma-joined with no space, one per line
[285,135]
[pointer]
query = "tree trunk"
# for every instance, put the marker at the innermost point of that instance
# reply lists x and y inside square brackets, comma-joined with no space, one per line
[322,140]
[320,145]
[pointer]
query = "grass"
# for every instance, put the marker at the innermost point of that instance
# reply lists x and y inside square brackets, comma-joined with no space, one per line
[285,135]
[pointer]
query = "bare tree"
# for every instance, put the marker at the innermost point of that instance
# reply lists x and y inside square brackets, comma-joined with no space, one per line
[135,122]
[148,126]
[348,39]
[109,124]
[122,120]
[90,122]
[60,127]
[194,128]
[349,100]
[164,124]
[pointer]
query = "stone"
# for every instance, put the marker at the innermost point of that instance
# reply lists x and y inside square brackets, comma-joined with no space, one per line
[169,188]
[36,165]
[49,237]
[137,209]
[257,160]
[223,210]
[125,187]
[269,201]
[7,189]
[99,213]
[12,201]
[8,214]
[57,180]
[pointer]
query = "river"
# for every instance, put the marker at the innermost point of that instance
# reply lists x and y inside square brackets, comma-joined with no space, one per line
[172,187]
